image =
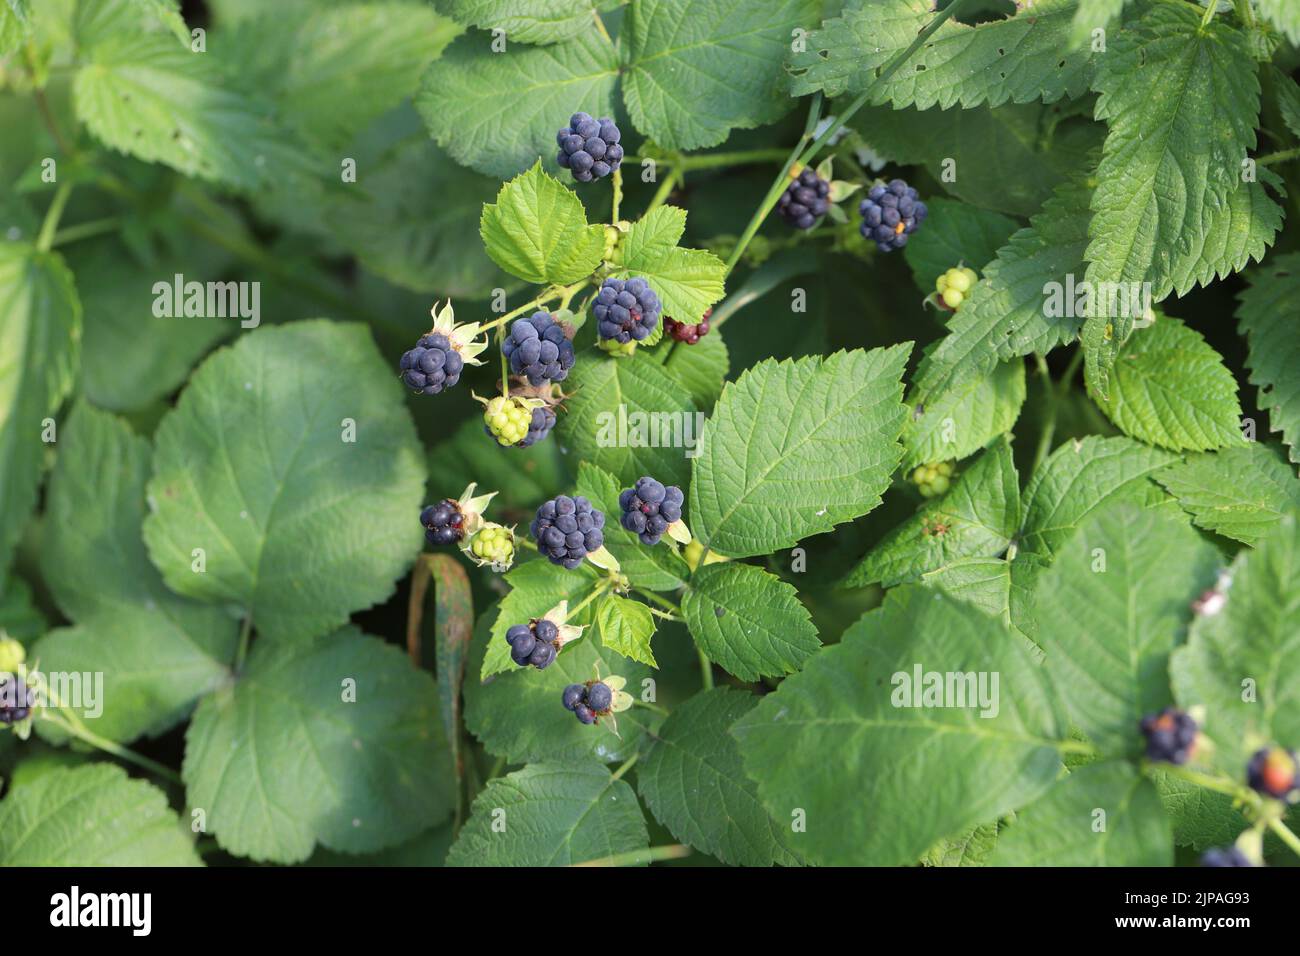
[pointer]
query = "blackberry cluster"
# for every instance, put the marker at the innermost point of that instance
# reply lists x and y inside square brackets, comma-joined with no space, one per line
[589,147]
[933,479]
[890,214]
[16,699]
[507,420]
[533,643]
[1225,856]
[1272,772]
[1170,734]
[649,508]
[566,529]
[804,200]
[689,334]
[443,522]
[538,349]
[494,544]
[540,426]
[588,701]
[432,365]
[625,310]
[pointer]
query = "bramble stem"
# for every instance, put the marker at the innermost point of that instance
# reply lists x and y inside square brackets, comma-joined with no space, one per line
[1286,835]
[665,189]
[625,766]
[1053,395]
[689,163]
[674,851]
[706,668]
[654,708]
[245,634]
[86,230]
[73,725]
[52,216]
[600,588]
[562,292]
[618,194]
[663,602]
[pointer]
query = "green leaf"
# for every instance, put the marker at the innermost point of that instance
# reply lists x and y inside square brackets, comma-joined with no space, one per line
[701,368]
[15,24]
[1092,15]
[983,582]
[1111,609]
[297,523]
[1284,15]
[1079,477]
[977,518]
[159,653]
[168,13]
[1170,388]
[538,231]
[630,418]
[659,568]
[20,618]
[1235,232]
[525,21]
[40,336]
[1062,829]
[687,281]
[834,729]
[1240,493]
[797,447]
[955,234]
[1287,92]
[1266,317]
[748,621]
[1252,643]
[972,847]
[336,742]
[1201,818]
[1017,59]
[524,477]
[535,587]
[553,815]
[92,815]
[626,628]
[498,112]
[694,783]
[697,69]
[961,421]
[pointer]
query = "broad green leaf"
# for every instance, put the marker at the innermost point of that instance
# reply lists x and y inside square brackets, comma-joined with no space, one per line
[94,815]
[1062,828]
[796,447]
[1287,92]
[1018,58]
[1021,303]
[299,493]
[972,847]
[1091,15]
[40,337]
[697,69]
[1266,317]
[983,582]
[538,231]
[498,112]
[15,24]
[626,628]
[554,815]
[1235,232]
[525,21]
[631,418]
[1201,818]
[1284,15]
[687,281]
[535,587]
[977,518]
[955,234]
[964,419]
[336,742]
[694,783]
[1240,493]
[1252,643]
[1170,388]
[20,618]
[748,621]
[834,729]
[1079,477]
[659,568]
[1165,82]
[700,368]
[1111,609]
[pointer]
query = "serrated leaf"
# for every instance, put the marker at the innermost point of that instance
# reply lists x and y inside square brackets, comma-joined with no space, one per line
[20,618]
[687,281]
[497,112]
[536,587]
[1111,610]
[1287,93]
[961,421]
[977,518]
[15,24]
[40,337]
[697,69]
[525,21]
[1201,818]
[537,230]
[1092,15]
[1266,316]
[1060,828]
[983,582]
[555,815]
[92,815]
[336,742]
[693,781]
[168,13]
[626,628]
[748,621]
[1284,15]
[834,729]
[796,447]
[1017,59]
[1240,493]
[972,847]
[700,368]
[1079,477]
[1235,233]
[955,234]
[660,567]
[296,523]
[1256,638]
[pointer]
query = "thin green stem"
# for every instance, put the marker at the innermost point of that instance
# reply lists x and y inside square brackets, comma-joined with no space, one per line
[618,194]
[746,157]
[706,668]
[1054,394]
[600,588]
[625,766]
[562,292]
[1286,834]
[1282,156]
[666,186]
[1210,7]
[50,226]
[663,602]
[86,230]
[665,615]
[1207,781]
[653,708]
[1244,13]
[245,636]
[673,851]
[600,27]
[74,727]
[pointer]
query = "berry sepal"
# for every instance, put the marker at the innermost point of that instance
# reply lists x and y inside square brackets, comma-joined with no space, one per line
[567,632]
[841,189]
[602,559]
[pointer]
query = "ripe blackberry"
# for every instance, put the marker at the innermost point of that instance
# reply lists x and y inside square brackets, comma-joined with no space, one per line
[1225,856]
[433,365]
[16,699]
[1272,772]
[1171,735]
[890,214]
[443,522]
[533,643]
[584,714]
[574,695]
[599,697]
[566,529]
[542,422]
[538,349]
[689,334]
[804,200]
[589,147]
[625,310]
[649,508]
[588,701]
